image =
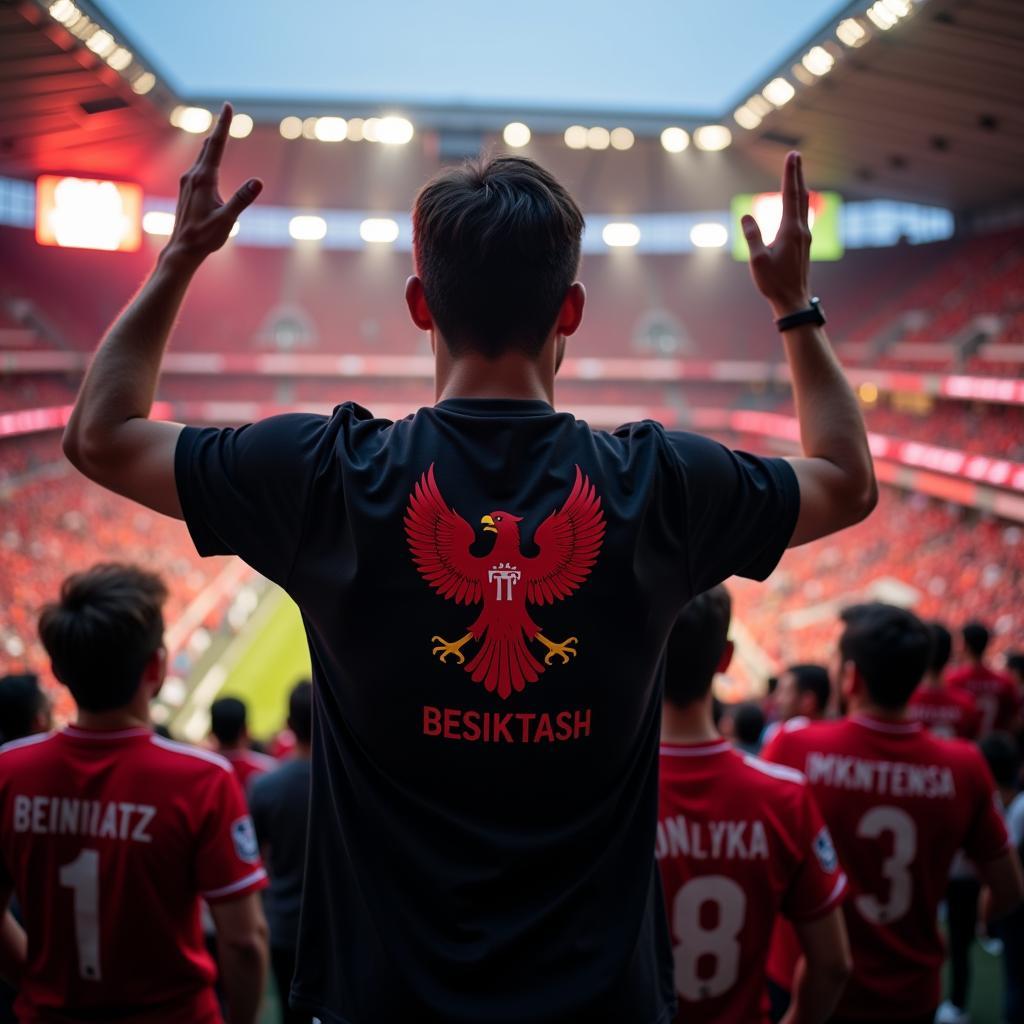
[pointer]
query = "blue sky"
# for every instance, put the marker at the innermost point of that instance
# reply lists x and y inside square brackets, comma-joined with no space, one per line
[690,56]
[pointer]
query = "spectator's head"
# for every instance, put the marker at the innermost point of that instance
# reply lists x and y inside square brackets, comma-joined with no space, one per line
[227,721]
[884,653]
[976,637]
[698,647]
[1000,751]
[497,248]
[105,635]
[942,649]
[24,708]
[748,724]
[802,690]
[300,712]
[1015,666]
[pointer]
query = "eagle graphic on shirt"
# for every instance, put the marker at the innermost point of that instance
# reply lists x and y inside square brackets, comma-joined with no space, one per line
[505,581]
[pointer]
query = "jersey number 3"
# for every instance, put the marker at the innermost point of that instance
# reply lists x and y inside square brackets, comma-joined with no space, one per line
[895,868]
[717,949]
[82,876]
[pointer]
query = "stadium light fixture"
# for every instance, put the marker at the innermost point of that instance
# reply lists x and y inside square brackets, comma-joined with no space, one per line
[759,105]
[157,222]
[330,129]
[674,140]
[620,234]
[144,83]
[710,235]
[378,229]
[355,129]
[881,17]
[88,213]
[102,43]
[746,118]
[370,126]
[290,127]
[899,8]
[850,32]
[241,126]
[394,131]
[63,11]
[191,119]
[516,134]
[120,58]
[576,136]
[307,228]
[868,392]
[818,61]
[598,138]
[778,92]
[712,138]
[802,75]
[309,128]
[622,139]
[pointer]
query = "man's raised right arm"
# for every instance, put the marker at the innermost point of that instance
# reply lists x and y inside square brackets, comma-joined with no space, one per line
[835,472]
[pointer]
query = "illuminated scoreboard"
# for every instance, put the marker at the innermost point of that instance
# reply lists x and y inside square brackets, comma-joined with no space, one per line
[88,213]
[823,215]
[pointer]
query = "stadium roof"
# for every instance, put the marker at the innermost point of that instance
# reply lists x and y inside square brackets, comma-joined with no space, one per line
[918,100]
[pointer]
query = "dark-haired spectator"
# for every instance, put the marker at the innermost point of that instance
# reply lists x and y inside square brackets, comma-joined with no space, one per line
[802,695]
[940,708]
[279,801]
[230,731]
[994,692]
[899,803]
[24,708]
[110,835]
[748,726]
[780,860]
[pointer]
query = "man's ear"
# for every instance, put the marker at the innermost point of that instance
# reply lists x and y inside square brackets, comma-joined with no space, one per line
[850,683]
[155,671]
[726,659]
[571,314]
[416,300]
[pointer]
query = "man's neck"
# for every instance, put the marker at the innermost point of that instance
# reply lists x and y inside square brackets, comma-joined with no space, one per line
[111,721]
[932,681]
[513,375]
[232,748]
[690,724]
[882,714]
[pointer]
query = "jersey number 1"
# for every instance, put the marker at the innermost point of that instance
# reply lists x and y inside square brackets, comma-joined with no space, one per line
[82,876]
[719,943]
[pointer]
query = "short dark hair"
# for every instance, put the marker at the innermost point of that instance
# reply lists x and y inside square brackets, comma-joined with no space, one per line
[942,647]
[101,633]
[695,646]
[21,700]
[890,647]
[300,711]
[1000,751]
[497,246]
[813,679]
[227,719]
[748,723]
[976,637]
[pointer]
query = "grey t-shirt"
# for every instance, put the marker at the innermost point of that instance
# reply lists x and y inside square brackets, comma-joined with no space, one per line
[279,804]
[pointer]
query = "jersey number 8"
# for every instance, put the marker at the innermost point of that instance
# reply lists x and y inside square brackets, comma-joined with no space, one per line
[719,944]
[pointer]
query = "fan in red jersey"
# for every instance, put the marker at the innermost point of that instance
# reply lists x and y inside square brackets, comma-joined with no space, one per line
[941,709]
[993,692]
[231,740]
[739,841]
[900,803]
[110,835]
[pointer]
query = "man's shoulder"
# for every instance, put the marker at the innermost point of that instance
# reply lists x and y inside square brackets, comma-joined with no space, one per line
[17,755]
[186,759]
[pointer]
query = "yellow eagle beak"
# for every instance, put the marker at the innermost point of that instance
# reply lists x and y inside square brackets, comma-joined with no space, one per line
[488,524]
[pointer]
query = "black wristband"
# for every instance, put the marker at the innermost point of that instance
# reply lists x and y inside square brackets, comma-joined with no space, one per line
[813,314]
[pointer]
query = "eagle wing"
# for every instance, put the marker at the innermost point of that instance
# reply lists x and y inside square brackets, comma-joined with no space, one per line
[439,541]
[569,541]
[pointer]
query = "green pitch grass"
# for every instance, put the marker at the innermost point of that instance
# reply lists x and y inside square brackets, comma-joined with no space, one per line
[274,661]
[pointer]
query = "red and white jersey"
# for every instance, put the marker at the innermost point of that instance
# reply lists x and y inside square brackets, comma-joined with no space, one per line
[109,840]
[899,803]
[739,841]
[248,765]
[994,694]
[945,712]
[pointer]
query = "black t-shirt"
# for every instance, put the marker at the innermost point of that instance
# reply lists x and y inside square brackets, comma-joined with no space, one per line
[279,805]
[487,588]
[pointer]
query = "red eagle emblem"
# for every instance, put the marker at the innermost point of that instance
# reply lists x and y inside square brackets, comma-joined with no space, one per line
[504,581]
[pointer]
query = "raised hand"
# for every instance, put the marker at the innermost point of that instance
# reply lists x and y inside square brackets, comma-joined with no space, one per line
[780,270]
[202,220]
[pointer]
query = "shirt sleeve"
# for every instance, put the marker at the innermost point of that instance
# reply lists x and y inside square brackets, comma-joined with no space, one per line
[739,510]
[987,837]
[243,491]
[819,883]
[228,861]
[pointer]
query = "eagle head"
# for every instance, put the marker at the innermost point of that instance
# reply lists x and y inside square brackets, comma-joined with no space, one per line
[501,523]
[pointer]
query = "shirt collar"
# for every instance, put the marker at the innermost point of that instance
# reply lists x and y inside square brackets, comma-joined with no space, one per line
[905,728]
[706,748]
